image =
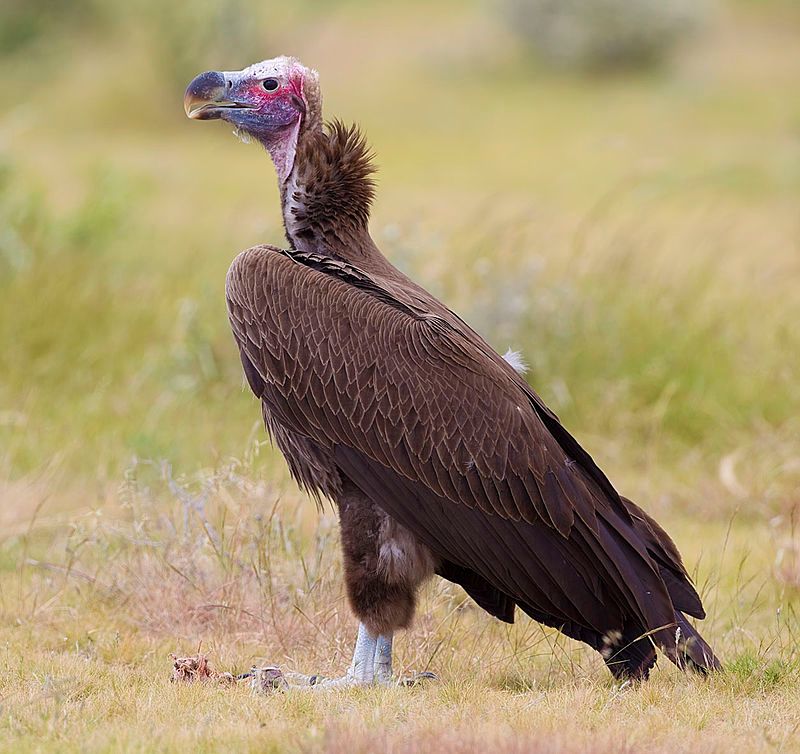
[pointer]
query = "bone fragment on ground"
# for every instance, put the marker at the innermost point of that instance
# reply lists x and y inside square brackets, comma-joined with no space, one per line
[196,668]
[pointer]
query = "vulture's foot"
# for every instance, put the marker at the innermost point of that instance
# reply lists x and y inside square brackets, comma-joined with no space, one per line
[371,666]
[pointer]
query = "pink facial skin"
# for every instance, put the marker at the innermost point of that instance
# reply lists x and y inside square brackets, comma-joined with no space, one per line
[272,116]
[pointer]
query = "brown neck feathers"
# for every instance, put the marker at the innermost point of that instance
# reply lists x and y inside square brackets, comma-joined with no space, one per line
[326,199]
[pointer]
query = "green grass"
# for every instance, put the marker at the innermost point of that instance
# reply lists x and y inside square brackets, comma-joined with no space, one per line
[635,236]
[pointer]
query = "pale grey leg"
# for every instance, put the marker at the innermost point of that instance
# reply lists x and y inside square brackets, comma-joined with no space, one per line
[362,668]
[371,664]
[383,659]
[360,673]
[372,661]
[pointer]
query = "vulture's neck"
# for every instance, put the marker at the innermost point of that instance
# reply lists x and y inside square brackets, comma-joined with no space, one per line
[326,198]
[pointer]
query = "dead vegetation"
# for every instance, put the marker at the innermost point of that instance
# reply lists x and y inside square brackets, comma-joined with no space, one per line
[252,574]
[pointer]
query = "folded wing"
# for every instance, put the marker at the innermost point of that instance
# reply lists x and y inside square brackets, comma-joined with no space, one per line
[445,438]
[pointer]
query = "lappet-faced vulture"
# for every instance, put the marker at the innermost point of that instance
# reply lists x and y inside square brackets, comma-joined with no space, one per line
[439,456]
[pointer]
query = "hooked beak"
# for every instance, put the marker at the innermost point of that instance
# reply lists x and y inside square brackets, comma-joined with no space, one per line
[206,97]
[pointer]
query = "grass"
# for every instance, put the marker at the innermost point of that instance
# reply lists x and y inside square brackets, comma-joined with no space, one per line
[636,237]
[93,602]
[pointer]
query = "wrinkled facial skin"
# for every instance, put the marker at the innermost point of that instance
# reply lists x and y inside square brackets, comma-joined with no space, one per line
[265,101]
[239,97]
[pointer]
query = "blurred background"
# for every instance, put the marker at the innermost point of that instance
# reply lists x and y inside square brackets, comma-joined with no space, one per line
[609,186]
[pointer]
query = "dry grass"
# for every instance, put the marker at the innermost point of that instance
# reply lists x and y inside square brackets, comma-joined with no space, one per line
[635,236]
[91,609]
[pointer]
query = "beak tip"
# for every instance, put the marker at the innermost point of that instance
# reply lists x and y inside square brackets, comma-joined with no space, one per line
[192,109]
[203,89]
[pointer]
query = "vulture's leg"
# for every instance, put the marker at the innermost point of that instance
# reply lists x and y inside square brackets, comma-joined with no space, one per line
[384,565]
[363,670]
[375,670]
[371,664]
[383,660]
[362,667]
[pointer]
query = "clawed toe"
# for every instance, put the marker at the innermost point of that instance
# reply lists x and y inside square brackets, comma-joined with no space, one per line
[371,666]
[269,679]
[416,679]
[266,680]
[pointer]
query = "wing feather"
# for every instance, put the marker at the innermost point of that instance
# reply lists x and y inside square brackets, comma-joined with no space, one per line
[493,482]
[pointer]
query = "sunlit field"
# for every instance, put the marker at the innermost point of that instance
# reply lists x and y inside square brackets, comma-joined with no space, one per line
[635,235]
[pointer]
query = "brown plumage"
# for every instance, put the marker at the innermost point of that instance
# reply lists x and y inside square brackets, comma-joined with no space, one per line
[439,456]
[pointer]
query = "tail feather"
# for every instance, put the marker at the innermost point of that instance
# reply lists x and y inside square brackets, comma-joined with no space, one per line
[693,650]
[628,654]
[666,556]
[631,655]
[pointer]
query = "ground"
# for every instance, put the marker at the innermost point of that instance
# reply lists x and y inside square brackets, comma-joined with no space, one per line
[634,236]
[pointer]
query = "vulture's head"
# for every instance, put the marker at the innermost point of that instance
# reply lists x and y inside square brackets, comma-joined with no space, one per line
[272,101]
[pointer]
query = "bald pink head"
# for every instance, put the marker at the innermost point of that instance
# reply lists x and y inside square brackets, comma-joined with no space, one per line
[272,101]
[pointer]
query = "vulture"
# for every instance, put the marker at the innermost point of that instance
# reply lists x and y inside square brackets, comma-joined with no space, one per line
[437,453]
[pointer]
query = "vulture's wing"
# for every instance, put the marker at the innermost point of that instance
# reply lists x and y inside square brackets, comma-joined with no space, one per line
[444,438]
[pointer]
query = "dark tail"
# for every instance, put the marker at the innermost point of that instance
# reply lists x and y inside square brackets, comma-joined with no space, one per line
[693,650]
[690,649]
[630,655]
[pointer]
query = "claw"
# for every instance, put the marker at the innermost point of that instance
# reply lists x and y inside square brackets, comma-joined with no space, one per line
[266,680]
[371,666]
[418,679]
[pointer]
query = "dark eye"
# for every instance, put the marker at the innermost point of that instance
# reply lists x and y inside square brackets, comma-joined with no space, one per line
[270,84]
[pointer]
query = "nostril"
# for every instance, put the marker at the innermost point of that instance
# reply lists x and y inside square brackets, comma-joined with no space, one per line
[228,84]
